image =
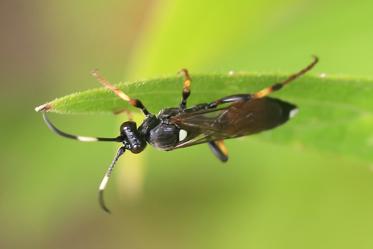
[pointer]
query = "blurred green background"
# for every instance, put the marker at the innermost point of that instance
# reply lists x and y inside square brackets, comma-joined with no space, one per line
[295,198]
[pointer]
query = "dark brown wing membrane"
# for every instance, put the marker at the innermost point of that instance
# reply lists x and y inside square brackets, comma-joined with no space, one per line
[236,120]
[200,126]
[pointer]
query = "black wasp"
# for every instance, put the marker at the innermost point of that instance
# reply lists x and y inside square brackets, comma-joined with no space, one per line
[178,127]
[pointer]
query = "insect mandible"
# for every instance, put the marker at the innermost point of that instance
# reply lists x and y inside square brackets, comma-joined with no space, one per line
[178,127]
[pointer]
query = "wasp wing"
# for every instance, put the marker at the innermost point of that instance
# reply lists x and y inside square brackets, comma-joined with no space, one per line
[235,120]
[199,127]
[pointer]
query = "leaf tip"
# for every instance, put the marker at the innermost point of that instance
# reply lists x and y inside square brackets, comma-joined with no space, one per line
[43,108]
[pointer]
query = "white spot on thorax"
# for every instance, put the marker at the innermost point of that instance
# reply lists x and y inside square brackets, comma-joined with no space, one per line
[182,134]
[293,113]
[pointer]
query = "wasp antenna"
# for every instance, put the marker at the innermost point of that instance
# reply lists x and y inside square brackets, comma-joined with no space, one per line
[43,108]
[106,178]
[76,137]
[102,201]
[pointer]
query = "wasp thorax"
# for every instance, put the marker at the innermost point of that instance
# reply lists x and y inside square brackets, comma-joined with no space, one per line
[147,125]
[132,138]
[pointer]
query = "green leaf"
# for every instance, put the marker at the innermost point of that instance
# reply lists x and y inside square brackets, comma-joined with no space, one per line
[335,112]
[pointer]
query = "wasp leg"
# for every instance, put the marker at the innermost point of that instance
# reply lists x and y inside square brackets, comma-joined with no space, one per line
[134,102]
[214,104]
[219,150]
[186,88]
[229,99]
[125,111]
[262,93]
[277,86]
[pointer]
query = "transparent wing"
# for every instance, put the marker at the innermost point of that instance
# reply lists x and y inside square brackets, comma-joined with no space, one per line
[201,126]
[235,120]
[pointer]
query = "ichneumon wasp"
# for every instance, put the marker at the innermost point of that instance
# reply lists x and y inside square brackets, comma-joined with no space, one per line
[178,127]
